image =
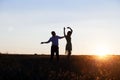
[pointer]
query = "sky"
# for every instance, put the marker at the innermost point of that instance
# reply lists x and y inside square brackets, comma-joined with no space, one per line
[26,23]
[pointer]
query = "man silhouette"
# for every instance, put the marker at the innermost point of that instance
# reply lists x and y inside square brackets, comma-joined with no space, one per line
[54,47]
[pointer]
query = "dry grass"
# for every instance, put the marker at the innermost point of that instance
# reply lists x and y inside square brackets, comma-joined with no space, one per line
[38,67]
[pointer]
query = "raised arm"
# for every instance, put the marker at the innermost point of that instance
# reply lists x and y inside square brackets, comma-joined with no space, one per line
[64,31]
[70,29]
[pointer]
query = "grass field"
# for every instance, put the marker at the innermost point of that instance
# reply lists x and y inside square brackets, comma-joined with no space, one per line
[38,67]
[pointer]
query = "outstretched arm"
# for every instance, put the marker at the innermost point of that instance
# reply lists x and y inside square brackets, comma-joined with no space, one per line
[61,37]
[70,29]
[45,42]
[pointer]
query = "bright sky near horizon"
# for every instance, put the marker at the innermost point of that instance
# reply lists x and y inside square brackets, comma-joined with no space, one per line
[25,23]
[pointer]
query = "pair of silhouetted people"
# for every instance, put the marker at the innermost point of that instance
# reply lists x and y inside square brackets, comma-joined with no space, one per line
[55,43]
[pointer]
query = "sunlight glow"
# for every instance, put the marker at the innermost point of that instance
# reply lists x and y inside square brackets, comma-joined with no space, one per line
[102,51]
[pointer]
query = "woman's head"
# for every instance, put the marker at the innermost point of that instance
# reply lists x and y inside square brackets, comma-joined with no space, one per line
[69,33]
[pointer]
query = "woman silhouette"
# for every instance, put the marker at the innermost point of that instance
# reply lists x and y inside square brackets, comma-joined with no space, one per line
[69,44]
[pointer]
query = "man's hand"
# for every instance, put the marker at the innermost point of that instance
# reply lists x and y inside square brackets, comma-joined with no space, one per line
[42,42]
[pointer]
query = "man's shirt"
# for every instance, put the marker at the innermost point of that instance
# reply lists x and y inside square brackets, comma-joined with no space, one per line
[54,40]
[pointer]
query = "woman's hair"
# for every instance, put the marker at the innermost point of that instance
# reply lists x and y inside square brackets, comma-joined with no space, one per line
[69,33]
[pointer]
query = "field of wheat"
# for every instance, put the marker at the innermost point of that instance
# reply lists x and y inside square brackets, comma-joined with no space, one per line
[79,67]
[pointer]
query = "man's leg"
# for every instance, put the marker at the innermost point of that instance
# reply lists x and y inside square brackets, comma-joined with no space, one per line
[57,53]
[52,53]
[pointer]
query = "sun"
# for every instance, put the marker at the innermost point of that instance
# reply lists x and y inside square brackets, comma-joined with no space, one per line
[102,51]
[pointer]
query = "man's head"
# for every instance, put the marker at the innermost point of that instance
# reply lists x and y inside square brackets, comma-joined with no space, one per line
[53,33]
